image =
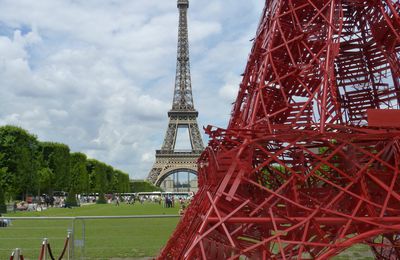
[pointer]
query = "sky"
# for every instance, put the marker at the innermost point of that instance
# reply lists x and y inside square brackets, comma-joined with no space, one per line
[98,75]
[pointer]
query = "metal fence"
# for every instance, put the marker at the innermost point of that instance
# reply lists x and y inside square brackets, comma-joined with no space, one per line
[90,237]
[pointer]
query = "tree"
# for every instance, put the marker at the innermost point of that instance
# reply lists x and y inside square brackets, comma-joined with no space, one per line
[3,173]
[6,179]
[110,179]
[57,158]
[46,176]
[97,178]
[3,206]
[122,182]
[79,177]
[20,157]
[79,172]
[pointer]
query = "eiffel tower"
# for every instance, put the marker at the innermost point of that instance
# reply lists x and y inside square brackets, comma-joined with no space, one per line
[169,160]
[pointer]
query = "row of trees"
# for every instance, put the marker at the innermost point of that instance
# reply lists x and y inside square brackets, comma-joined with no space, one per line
[31,167]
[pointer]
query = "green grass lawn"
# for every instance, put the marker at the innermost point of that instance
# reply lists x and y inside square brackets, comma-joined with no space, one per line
[356,252]
[107,239]
[104,239]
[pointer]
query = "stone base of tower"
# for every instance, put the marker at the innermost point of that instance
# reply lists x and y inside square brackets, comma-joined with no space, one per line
[168,162]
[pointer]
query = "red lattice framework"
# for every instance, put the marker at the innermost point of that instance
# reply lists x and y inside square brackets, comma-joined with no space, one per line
[309,164]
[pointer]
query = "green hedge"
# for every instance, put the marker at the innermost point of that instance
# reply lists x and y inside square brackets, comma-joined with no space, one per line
[143,186]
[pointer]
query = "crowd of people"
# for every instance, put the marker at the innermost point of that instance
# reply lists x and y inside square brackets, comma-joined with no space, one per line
[40,203]
[167,201]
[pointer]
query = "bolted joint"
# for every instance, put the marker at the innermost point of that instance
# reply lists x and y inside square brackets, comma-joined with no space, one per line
[183,3]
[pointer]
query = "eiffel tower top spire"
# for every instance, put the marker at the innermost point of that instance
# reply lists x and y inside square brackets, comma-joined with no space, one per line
[183,99]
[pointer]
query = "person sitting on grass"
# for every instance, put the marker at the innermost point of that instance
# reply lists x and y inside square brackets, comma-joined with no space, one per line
[4,222]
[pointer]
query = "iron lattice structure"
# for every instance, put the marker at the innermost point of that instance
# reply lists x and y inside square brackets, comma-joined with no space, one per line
[183,114]
[309,163]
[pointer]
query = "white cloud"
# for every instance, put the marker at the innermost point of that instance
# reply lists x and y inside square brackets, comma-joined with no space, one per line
[201,29]
[230,89]
[147,157]
[99,75]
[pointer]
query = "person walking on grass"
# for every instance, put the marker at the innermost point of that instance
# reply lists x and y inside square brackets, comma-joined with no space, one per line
[182,210]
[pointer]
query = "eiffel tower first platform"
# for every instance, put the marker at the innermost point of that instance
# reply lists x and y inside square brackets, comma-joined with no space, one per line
[169,160]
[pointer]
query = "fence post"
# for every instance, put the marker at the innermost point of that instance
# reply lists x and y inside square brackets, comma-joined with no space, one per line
[83,239]
[44,245]
[69,247]
[16,254]
[70,253]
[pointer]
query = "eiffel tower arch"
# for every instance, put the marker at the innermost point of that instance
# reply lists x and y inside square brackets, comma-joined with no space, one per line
[183,115]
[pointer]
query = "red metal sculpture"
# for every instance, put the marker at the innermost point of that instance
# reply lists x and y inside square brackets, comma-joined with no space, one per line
[310,162]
